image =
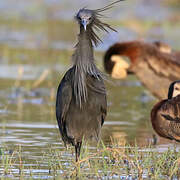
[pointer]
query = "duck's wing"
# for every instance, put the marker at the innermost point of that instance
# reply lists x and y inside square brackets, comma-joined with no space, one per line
[170,118]
[156,120]
[172,115]
[164,64]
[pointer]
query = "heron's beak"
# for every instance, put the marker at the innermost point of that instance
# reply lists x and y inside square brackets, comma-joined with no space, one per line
[84,23]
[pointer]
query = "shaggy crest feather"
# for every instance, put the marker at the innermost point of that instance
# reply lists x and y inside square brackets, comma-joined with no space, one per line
[83,57]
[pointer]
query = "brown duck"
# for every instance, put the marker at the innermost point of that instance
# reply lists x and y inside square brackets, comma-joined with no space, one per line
[165,115]
[155,64]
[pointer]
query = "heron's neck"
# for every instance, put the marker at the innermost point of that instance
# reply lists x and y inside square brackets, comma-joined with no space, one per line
[84,56]
[84,65]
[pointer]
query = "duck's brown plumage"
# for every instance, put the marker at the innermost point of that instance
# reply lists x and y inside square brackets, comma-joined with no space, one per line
[155,69]
[165,118]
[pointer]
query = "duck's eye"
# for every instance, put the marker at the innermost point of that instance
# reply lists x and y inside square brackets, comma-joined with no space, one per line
[90,18]
[176,88]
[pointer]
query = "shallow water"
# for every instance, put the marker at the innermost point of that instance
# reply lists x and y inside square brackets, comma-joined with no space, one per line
[36,40]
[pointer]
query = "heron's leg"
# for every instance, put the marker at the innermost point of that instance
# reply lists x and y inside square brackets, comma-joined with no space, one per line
[78,150]
[154,139]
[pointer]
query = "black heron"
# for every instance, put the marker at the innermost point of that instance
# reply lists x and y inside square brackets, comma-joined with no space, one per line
[165,115]
[81,97]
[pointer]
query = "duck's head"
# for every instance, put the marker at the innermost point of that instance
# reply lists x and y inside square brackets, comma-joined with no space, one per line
[114,64]
[115,58]
[120,67]
[174,89]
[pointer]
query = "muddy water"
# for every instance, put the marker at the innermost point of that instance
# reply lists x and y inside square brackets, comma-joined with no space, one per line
[36,43]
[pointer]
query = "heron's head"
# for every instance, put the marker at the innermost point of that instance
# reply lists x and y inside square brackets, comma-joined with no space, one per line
[85,17]
[174,89]
[91,19]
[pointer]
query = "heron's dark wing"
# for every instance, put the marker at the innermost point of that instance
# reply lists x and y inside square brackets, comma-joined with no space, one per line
[103,110]
[64,96]
[97,85]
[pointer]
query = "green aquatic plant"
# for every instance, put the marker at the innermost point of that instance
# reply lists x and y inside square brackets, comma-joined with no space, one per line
[104,161]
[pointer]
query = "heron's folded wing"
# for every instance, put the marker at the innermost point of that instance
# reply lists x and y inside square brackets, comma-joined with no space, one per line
[64,96]
[103,111]
[97,85]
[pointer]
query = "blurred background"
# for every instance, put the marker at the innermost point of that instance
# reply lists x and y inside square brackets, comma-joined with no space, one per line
[37,39]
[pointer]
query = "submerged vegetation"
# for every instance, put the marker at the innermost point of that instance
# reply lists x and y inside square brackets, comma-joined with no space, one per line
[102,162]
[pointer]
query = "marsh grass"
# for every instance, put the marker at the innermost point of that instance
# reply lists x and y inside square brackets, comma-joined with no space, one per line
[101,162]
